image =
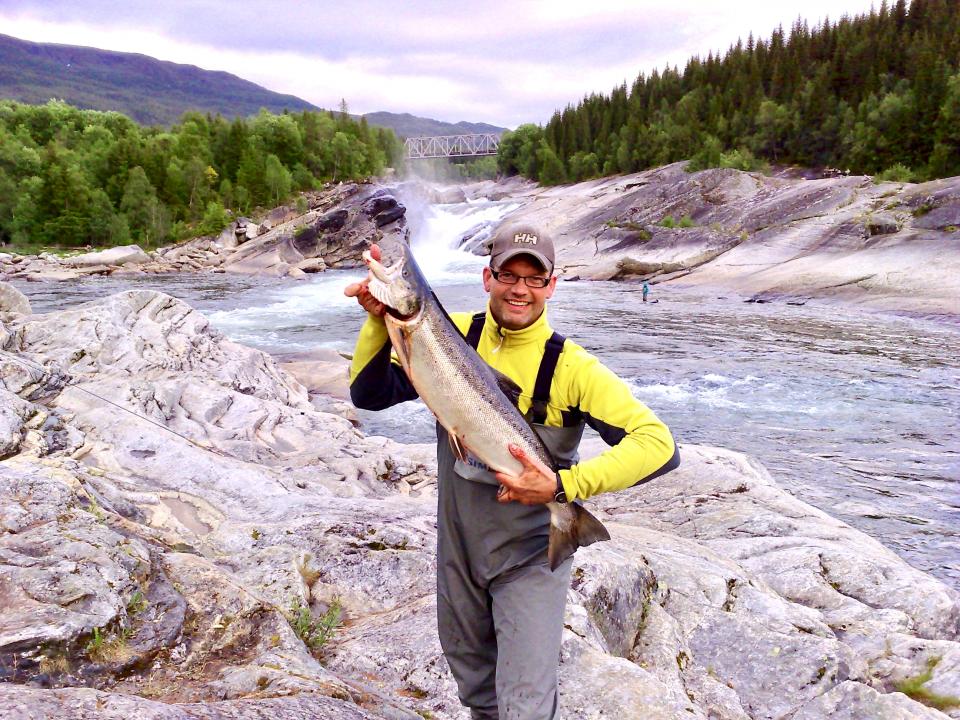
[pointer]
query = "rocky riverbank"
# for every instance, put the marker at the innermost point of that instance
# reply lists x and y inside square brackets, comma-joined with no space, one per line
[340,223]
[888,246]
[172,502]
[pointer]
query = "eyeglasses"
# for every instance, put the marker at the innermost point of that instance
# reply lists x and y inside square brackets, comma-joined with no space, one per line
[532,281]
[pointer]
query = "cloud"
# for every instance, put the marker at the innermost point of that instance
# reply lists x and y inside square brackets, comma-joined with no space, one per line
[498,62]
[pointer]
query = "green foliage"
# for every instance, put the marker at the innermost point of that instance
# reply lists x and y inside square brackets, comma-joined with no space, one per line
[743,159]
[669,221]
[315,632]
[72,178]
[551,168]
[302,205]
[137,603]
[864,94]
[517,152]
[215,219]
[95,643]
[106,646]
[896,173]
[708,156]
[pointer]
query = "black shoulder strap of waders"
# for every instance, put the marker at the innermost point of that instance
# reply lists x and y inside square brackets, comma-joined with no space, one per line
[541,390]
[476,329]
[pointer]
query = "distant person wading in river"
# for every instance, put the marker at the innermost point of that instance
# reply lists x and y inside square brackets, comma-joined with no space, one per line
[499,607]
[646,290]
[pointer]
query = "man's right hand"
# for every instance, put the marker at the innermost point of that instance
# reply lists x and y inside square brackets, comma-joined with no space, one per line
[361,291]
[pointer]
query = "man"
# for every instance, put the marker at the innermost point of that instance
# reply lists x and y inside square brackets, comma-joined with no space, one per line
[499,607]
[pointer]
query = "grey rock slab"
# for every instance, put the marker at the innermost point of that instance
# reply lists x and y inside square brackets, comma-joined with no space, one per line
[855,701]
[595,685]
[12,300]
[63,570]
[944,217]
[21,703]
[113,256]
[14,413]
[399,653]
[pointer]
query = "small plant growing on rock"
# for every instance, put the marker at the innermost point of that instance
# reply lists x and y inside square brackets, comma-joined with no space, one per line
[105,647]
[95,510]
[913,687]
[670,222]
[136,604]
[315,632]
[310,575]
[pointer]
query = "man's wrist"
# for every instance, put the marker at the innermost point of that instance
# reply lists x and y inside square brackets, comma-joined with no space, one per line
[561,495]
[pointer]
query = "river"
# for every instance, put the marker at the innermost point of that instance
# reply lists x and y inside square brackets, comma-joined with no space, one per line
[855,413]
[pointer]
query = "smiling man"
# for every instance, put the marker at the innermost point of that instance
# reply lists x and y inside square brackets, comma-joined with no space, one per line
[499,607]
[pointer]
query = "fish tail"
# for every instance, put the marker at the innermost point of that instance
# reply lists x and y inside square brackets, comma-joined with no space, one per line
[584,530]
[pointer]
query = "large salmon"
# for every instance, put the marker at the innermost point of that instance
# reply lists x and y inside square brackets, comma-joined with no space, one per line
[471,400]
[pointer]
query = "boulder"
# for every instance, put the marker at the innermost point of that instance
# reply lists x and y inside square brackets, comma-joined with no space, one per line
[312,265]
[446,195]
[112,256]
[12,300]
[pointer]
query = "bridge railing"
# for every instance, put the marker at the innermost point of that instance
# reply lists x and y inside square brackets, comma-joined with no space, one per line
[452,146]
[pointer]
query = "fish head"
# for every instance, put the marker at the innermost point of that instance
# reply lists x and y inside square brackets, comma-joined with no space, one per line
[401,287]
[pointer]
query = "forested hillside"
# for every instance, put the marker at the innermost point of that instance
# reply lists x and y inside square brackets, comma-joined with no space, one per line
[72,177]
[151,91]
[876,94]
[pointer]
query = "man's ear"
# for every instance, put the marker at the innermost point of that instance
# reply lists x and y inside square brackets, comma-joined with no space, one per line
[551,286]
[487,278]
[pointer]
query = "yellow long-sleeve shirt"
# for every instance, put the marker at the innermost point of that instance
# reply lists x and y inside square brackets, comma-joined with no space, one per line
[582,390]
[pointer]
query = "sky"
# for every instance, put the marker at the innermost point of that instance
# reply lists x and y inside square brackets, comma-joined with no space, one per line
[501,62]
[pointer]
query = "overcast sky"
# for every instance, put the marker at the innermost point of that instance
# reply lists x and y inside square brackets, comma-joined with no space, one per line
[503,63]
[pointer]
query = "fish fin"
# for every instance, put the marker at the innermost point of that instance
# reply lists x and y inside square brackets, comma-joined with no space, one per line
[398,340]
[457,447]
[583,530]
[508,387]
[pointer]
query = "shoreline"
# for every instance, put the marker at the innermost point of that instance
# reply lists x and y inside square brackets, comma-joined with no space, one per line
[891,248]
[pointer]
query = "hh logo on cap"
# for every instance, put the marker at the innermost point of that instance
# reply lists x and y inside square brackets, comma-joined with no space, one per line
[525,237]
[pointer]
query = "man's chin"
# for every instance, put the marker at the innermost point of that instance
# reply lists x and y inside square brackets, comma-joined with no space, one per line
[517,321]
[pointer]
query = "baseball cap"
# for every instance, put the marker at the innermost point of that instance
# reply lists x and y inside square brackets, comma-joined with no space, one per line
[523,239]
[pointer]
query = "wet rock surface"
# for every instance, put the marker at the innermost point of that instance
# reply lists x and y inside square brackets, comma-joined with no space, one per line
[888,246]
[172,503]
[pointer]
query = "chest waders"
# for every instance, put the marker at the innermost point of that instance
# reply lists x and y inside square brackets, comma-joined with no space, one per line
[499,607]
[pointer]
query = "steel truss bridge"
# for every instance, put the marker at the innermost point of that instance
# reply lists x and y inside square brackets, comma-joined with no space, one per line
[447,146]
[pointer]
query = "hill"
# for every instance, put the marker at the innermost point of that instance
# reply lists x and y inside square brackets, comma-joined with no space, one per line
[156,92]
[151,91]
[407,125]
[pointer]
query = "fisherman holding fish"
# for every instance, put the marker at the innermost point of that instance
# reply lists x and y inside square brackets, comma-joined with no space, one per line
[509,424]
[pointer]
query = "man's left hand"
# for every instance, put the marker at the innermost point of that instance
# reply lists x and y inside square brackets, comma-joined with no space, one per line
[530,487]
